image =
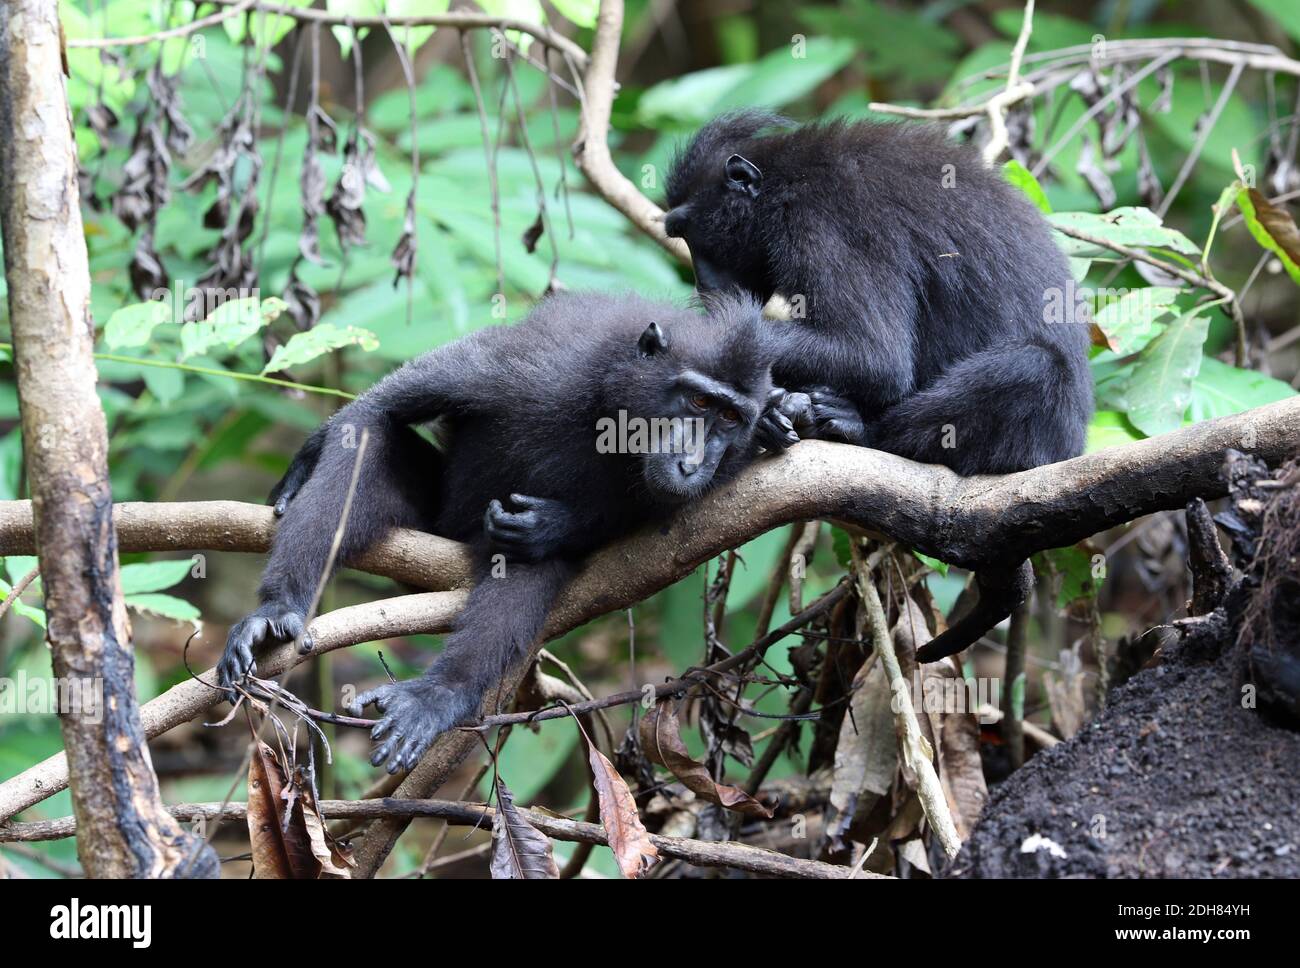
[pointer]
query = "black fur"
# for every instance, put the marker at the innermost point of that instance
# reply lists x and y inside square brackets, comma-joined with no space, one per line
[924,330]
[520,475]
[924,304]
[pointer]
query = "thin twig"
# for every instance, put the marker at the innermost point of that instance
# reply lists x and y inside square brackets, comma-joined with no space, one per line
[183,31]
[16,592]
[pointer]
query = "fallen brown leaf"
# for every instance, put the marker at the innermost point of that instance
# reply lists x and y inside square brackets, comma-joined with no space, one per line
[662,741]
[519,850]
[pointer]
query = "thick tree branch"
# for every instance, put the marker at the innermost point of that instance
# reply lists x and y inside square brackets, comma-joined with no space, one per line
[419,559]
[970,522]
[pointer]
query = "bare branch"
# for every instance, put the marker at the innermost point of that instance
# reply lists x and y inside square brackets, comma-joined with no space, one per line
[591,150]
[701,853]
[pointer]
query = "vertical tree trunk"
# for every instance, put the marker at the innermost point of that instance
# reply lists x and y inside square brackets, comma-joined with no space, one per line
[122,828]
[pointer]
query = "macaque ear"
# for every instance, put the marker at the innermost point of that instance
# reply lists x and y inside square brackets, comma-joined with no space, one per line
[652,341]
[743,175]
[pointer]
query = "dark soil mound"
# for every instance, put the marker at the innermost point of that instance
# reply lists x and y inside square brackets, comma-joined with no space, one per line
[1175,778]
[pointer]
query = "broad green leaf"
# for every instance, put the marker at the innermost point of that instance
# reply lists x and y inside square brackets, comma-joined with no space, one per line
[163,382]
[133,325]
[305,347]
[1110,428]
[1160,388]
[1020,176]
[1139,227]
[1285,12]
[229,324]
[168,606]
[688,101]
[893,41]
[1130,322]
[154,576]
[1273,228]
[1220,390]
[787,74]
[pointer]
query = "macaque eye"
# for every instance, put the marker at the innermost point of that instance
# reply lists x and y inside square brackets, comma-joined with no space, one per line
[701,401]
[730,415]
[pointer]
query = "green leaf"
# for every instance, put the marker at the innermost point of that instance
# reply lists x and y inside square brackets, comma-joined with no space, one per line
[1273,228]
[940,566]
[1020,176]
[154,576]
[1160,388]
[1130,322]
[229,324]
[304,347]
[1110,428]
[165,384]
[687,101]
[133,325]
[1074,566]
[842,544]
[1138,227]
[1220,390]
[168,606]
[782,77]
[1285,12]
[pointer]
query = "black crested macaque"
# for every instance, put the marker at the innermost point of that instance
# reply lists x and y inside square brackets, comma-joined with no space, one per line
[922,279]
[530,470]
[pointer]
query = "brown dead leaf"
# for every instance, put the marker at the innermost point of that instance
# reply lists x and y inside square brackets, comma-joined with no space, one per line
[519,850]
[628,838]
[334,856]
[866,755]
[662,741]
[282,848]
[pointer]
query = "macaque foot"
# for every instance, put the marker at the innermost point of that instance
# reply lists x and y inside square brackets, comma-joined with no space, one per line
[538,528]
[413,714]
[272,623]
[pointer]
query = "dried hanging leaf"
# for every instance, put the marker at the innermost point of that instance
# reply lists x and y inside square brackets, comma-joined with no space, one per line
[1090,169]
[302,301]
[628,838]
[146,269]
[282,849]
[533,233]
[520,851]
[403,257]
[661,739]
[344,205]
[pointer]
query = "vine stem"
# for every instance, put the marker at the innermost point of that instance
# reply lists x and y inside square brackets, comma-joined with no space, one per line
[212,371]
